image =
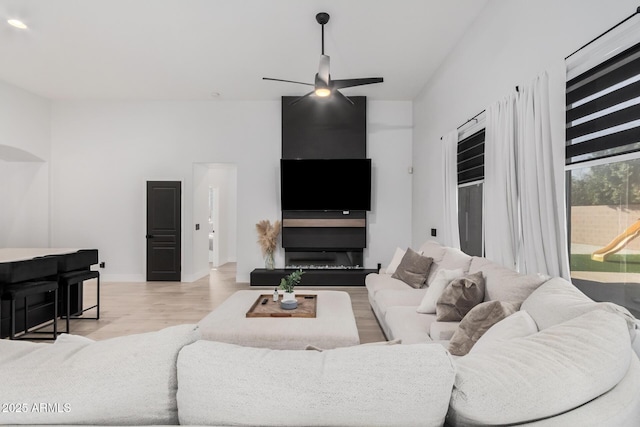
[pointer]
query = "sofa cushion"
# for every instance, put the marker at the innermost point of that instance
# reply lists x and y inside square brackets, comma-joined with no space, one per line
[504,284]
[442,331]
[478,321]
[369,344]
[413,269]
[433,249]
[542,375]
[395,261]
[386,298]
[559,300]
[619,407]
[71,338]
[451,260]
[518,325]
[126,380]
[404,323]
[437,285]
[375,282]
[460,296]
[329,388]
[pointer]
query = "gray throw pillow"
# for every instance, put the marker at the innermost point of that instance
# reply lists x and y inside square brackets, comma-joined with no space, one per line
[478,321]
[413,269]
[459,297]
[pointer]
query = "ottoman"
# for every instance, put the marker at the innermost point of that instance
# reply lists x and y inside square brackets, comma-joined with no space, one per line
[334,324]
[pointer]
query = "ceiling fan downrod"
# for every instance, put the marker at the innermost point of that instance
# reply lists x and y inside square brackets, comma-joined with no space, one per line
[322,18]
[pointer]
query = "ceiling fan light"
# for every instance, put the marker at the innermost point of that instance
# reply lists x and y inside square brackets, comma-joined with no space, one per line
[323,92]
[17,23]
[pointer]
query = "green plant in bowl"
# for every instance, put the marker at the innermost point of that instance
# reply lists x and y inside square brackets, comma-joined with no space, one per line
[289,282]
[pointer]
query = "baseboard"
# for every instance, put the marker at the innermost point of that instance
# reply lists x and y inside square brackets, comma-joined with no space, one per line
[118,278]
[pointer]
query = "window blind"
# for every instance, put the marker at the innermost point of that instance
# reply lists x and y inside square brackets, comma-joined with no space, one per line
[603,109]
[471,158]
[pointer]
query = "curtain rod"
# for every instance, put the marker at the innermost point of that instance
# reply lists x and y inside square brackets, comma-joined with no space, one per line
[603,34]
[468,121]
[476,116]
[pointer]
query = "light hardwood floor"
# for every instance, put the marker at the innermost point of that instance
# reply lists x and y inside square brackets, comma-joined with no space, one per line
[129,308]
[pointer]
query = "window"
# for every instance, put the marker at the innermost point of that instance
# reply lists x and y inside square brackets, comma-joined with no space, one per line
[470,188]
[603,170]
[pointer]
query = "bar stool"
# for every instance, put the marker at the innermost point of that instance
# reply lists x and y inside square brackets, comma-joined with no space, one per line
[14,291]
[66,280]
[24,279]
[73,270]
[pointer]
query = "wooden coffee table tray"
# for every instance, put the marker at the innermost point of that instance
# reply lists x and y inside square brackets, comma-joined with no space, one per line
[306,307]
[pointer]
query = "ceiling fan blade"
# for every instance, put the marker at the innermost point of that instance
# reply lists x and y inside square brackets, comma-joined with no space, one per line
[339,84]
[323,69]
[339,95]
[287,81]
[295,101]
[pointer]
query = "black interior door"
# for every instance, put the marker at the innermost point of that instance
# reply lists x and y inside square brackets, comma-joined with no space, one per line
[163,230]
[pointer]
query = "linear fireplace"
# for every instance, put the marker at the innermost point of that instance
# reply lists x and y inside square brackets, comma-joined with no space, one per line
[331,259]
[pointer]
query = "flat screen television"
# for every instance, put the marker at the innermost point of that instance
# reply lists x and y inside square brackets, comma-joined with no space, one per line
[325,184]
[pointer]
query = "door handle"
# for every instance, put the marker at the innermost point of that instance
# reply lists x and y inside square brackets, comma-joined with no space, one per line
[149,236]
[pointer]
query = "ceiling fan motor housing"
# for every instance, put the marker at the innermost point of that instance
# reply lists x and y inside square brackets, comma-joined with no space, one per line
[322,18]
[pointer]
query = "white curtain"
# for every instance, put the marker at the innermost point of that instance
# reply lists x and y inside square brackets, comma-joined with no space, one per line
[541,201]
[451,232]
[500,184]
[524,207]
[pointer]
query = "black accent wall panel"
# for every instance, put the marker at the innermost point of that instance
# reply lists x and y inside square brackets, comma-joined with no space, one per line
[325,238]
[331,128]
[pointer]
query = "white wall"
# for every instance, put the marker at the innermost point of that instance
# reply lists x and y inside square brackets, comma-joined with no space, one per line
[102,152]
[24,168]
[510,43]
[390,132]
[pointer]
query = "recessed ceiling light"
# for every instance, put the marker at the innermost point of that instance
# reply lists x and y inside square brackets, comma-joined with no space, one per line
[17,23]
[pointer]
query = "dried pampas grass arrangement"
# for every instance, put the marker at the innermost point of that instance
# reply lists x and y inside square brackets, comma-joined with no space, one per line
[268,235]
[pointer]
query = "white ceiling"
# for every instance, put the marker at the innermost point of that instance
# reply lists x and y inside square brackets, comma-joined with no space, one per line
[187,49]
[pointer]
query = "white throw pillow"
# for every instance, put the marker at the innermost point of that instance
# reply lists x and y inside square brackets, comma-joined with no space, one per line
[545,374]
[395,261]
[439,282]
[224,384]
[519,324]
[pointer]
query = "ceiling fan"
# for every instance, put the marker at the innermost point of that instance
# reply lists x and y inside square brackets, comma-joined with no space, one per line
[324,85]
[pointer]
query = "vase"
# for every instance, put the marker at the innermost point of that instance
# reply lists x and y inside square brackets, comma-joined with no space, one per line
[269,263]
[289,296]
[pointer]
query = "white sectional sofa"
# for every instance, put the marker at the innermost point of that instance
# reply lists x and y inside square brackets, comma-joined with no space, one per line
[575,366]
[173,377]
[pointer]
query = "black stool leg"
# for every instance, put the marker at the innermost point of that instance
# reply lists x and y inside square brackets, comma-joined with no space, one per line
[26,316]
[55,314]
[98,298]
[68,289]
[12,332]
